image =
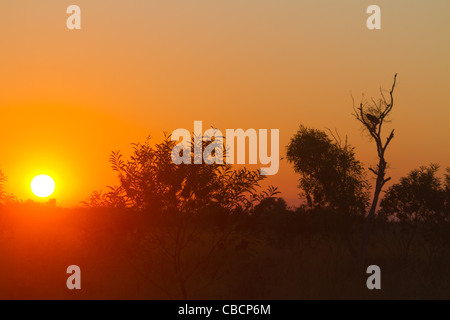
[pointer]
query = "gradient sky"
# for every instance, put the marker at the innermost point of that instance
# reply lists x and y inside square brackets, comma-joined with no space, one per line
[68,98]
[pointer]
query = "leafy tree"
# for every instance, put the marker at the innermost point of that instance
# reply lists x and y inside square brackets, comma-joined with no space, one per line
[419,202]
[150,180]
[330,174]
[420,196]
[183,197]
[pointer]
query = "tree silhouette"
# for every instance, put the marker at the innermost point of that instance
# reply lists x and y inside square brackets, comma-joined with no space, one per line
[330,174]
[419,199]
[177,198]
[151,180]
[331,177]
[373,115]
[420,196]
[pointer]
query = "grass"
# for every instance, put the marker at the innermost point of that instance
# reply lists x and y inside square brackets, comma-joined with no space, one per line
[282,255]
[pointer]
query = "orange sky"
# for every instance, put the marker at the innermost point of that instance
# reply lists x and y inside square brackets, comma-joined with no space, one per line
[68,98]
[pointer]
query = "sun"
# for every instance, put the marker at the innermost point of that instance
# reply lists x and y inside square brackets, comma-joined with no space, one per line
[43,186]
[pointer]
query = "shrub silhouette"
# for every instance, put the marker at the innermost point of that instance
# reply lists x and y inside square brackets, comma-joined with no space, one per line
[418,205]
[184,203]
[149,180]
[420,196]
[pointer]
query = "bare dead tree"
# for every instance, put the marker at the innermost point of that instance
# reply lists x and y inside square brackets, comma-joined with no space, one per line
[373,115]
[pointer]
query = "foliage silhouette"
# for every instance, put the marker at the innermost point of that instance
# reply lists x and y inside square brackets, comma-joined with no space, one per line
[150,179]
[420,196]
[5,197]
[180,199]
[330,174]
[418,204]
[332,180]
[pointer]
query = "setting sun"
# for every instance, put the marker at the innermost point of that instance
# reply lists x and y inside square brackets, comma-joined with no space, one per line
[43,186]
